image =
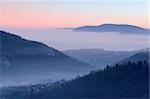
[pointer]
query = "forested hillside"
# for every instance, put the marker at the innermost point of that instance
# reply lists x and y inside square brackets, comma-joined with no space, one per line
[129,80]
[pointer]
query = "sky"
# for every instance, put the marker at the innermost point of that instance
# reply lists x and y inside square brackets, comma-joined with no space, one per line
[74,13]
[41,20]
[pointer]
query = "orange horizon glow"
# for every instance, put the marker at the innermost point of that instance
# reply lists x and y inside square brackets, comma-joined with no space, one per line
[70,23]
[15,16]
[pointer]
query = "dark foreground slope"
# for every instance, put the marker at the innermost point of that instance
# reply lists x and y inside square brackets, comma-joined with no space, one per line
[23,60]
[130,80]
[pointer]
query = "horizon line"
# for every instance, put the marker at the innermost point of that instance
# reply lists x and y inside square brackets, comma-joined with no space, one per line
[68,27]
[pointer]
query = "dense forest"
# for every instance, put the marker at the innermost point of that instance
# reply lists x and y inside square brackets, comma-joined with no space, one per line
[127,80]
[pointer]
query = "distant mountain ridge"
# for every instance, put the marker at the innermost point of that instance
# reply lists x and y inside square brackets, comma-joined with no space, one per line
[99,57]
[122,28]
[23,60]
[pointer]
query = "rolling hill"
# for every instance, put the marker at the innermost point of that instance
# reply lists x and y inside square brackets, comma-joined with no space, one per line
[28,61]
[99,58]
[139,56]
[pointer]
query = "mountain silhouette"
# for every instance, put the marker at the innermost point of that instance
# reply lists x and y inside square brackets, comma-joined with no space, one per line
[122,28]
